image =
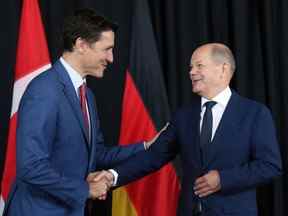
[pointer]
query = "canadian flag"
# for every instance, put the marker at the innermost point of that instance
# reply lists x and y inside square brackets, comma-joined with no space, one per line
[32,58]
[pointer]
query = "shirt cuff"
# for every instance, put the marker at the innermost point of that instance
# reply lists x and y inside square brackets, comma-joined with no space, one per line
[115,175]
[145,146]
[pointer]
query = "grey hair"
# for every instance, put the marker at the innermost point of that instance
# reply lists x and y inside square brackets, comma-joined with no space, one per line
[222,54]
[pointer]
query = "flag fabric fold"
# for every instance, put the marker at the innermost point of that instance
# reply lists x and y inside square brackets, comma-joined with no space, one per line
[32,58]
[145,111]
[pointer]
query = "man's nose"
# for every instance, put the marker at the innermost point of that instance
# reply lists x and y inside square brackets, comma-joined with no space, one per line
[110,57]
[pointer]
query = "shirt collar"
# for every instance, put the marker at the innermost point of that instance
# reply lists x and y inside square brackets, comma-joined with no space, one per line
[75,77]
[222,98]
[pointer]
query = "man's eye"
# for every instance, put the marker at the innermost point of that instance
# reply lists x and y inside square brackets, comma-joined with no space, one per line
[200,65]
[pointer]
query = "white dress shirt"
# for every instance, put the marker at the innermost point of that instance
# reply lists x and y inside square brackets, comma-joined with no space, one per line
[77,81]
[218,109]
[75,77]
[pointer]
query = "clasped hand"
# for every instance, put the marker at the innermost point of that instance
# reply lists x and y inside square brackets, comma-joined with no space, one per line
[99,184]
[207,184]
[101,181]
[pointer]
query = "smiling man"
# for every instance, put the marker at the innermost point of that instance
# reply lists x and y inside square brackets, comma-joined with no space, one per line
[227,143]
[59,141]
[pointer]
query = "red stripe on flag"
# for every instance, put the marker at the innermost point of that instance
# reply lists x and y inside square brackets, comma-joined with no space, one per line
[10,170]
[32,54]
[134,116]
[32,50]
[156,194]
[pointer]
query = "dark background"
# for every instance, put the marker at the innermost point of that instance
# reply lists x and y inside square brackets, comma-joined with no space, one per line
[256,31]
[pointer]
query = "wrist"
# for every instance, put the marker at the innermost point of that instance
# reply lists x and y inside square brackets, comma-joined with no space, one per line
[115,176]
[145,145]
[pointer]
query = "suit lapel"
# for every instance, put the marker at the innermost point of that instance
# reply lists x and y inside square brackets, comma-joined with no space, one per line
[194,130]
[93,119]
[227,125]
[71,95]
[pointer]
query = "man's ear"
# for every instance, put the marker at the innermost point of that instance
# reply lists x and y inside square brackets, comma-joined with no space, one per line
[225,68]
[80,45]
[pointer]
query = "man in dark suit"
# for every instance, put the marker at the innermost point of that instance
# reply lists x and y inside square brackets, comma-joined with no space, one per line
[227,143]
[59,141]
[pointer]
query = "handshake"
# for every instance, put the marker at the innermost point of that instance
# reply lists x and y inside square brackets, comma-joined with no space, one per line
[99,184]
[101,181]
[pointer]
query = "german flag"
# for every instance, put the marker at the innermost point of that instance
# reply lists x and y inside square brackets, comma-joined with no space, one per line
[145,111]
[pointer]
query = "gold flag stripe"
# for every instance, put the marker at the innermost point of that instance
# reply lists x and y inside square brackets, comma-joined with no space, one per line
[121,204]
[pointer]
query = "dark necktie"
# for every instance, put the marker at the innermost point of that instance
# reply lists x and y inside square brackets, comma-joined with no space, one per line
[205,139]
[207,123]
[83,103]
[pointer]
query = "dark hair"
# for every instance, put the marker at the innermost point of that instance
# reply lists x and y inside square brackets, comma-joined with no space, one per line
[86,24]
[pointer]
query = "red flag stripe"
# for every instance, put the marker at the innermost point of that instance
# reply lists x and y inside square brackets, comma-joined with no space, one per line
[32,50]
[140,122]
[147,193]
[10,169]
[32,58]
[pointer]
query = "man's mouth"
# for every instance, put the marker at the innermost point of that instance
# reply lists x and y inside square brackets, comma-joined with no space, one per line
[194,81]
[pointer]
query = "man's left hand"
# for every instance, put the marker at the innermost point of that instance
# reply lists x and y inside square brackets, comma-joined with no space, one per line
[147,144]
[207,184]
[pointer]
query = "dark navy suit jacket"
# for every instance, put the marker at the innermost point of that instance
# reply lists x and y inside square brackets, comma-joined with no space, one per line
[244,150]
[53,152]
